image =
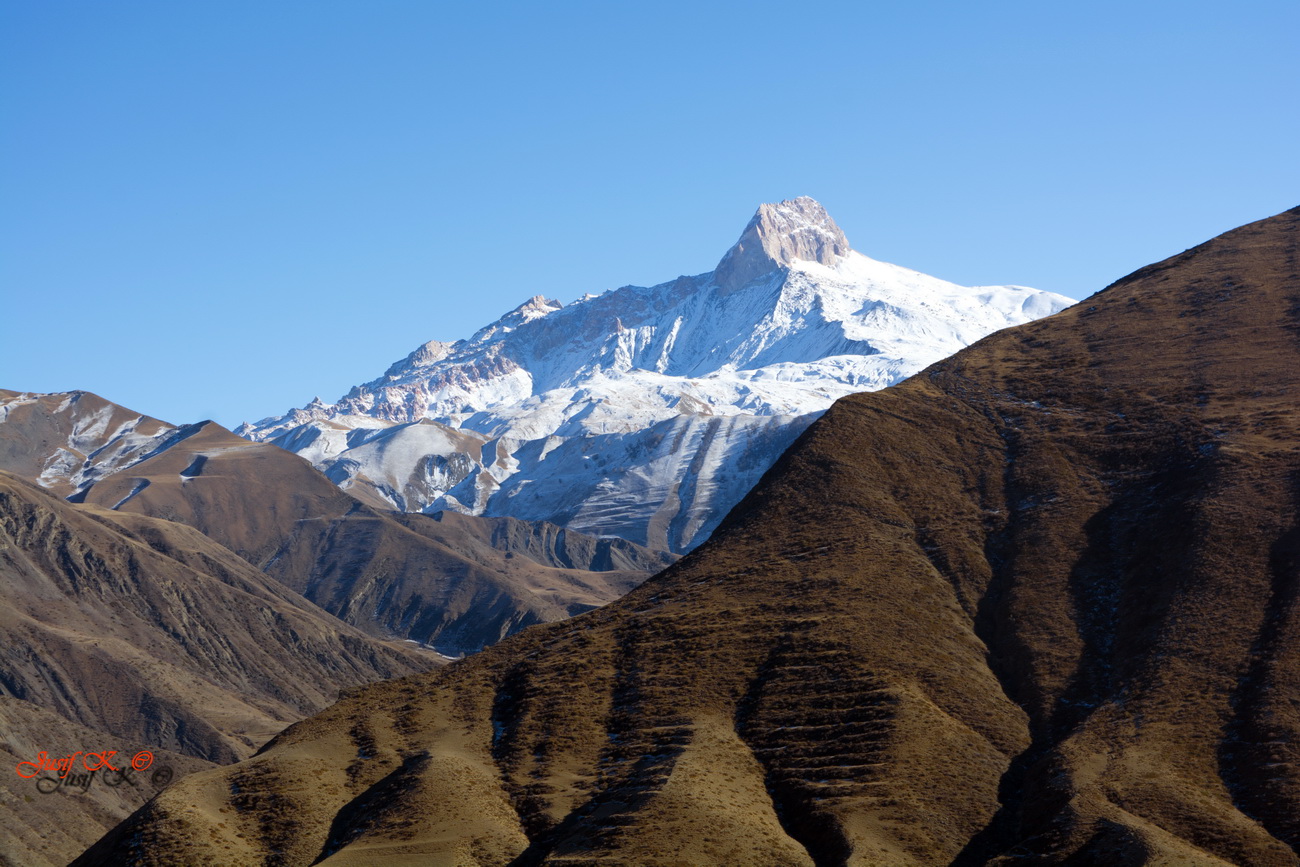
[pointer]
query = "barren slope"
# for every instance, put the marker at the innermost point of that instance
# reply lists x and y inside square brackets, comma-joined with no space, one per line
[47,825]
[1036,605]
[147,630]
[67,441]
[119,632]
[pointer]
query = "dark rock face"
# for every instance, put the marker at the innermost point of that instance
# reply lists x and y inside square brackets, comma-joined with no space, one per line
[1038,604]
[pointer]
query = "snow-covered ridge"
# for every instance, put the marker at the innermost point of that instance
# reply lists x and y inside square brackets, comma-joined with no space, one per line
[647,412]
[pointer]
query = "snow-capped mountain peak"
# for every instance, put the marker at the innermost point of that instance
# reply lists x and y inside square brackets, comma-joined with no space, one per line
[532,309]
[646,412]
[779,235]
[425,355]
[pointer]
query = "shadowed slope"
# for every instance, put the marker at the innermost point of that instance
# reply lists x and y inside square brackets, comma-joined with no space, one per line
[1036,605]
[148,630]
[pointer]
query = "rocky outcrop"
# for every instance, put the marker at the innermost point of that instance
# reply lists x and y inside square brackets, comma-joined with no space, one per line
[779,235]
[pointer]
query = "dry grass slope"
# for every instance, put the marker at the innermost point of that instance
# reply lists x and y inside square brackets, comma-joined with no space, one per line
[48,827]
[148,630]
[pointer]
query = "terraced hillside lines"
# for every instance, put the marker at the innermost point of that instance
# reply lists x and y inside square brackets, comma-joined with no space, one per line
[1037,604]
[539,736]
[821,735]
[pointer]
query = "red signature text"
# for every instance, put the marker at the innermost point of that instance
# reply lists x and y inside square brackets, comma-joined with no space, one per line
[64,764]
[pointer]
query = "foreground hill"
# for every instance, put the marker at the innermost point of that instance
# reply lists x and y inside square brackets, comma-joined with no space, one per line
[1038,604]
[647,412]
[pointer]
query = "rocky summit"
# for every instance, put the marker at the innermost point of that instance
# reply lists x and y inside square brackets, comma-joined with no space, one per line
[1039,604]
[778,236]
[646,413]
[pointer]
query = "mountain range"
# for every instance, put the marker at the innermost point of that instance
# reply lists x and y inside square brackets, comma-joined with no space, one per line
[447,581]
[646,413]
[1038,604]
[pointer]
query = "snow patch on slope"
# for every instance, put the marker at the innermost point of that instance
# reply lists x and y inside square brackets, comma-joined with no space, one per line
[83,436]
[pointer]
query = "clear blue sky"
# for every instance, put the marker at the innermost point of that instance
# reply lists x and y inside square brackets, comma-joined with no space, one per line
[220,210]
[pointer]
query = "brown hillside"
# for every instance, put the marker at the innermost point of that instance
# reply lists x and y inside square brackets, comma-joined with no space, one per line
[68,440]
[1039,604]
[44,825]
[147,630]
[120,632]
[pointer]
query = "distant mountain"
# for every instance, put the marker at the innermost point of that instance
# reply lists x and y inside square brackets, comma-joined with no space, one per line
[1039,604]
[456,583]
[646,413]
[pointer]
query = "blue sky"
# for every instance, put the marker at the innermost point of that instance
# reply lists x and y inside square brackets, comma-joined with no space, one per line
[221,210]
